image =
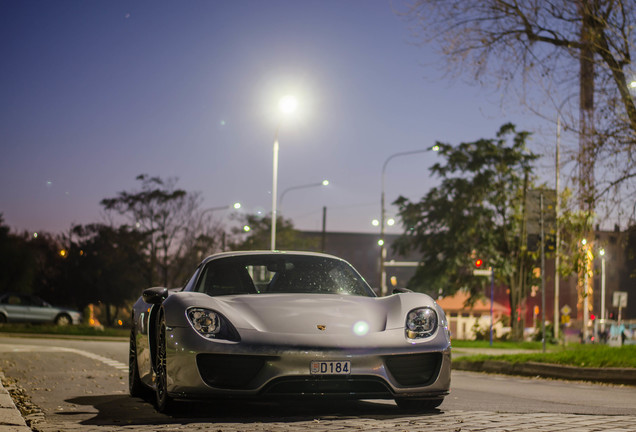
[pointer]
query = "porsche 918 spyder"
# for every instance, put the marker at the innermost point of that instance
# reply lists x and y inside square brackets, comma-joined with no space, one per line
[288,325]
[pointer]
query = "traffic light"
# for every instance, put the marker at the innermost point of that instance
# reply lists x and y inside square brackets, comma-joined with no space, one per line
[478,263]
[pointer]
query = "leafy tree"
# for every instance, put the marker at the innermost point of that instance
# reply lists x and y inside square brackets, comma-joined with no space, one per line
[103,265]
[556,46]
[476,212]
[164,214]
[259,235]
[17,262]
[47,252]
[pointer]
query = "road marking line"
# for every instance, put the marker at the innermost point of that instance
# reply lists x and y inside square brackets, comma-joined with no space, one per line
[31,348]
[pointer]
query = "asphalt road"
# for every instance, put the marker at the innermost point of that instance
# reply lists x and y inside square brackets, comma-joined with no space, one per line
[82,386]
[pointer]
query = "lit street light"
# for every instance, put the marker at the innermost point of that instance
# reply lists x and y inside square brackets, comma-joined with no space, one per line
[322,183]
[236,206]
[383,221]
[288,106]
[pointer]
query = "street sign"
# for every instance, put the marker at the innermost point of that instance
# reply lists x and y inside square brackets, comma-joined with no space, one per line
[533,211]
[482,272]
[619,299]
[394,263]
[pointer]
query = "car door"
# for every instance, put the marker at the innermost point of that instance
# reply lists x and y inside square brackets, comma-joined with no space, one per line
[39,310]
[14,307]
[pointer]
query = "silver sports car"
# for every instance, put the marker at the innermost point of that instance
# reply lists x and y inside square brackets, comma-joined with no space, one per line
[288,325]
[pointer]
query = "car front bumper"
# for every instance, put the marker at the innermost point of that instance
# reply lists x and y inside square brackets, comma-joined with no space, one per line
[383,366]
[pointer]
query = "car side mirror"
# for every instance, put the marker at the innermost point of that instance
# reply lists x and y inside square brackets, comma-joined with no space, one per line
[401,290]
[155,295]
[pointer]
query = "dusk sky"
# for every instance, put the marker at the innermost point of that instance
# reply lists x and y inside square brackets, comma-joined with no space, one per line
[94,93]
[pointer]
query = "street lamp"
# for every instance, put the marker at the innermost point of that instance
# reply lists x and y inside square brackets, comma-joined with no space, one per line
[288,105]
[322,183]
[382,222]
[236,206]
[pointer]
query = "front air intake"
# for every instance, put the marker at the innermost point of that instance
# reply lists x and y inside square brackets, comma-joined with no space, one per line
[413,370]
[230,371]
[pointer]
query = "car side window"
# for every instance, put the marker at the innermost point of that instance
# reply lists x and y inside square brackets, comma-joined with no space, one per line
[14,300]
[226,279]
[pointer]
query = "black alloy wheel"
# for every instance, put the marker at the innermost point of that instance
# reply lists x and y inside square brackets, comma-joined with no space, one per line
[163,400]
[135,386]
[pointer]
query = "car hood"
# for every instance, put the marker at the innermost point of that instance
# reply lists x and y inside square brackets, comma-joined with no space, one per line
[305,314]
[302,313]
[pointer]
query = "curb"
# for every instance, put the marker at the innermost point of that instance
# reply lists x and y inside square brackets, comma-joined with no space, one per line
[625,376]
[10,418]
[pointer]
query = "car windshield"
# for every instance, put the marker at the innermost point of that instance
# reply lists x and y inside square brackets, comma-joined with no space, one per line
[267,274]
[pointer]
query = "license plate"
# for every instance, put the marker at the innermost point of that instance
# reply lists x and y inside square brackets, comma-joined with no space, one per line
[330,367]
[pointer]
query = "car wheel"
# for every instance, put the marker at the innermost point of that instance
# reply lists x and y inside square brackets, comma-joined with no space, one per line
[63,320]
[135,386]
[3,319]
[412,404]
[163,400]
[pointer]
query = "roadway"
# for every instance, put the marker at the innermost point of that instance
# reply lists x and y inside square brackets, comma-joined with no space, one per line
[81,385]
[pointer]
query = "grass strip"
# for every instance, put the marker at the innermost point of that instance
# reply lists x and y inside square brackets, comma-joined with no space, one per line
[599,356]
[76,330]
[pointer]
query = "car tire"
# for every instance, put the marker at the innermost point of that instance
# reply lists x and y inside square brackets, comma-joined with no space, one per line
[163,401]
[135,386]
[3,318]
[63,320]
[413,404]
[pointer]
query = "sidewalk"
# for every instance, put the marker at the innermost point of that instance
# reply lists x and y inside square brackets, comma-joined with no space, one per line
[10,418]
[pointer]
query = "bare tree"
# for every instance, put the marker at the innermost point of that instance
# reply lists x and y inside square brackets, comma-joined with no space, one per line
[561,46]
[165,214]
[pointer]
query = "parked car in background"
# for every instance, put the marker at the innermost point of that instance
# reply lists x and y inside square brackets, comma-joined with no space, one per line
[287,325]
[18,307]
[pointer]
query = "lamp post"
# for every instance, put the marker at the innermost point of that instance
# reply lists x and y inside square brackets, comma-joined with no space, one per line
[235,206]
[322,183]
[287,105]
[381,242]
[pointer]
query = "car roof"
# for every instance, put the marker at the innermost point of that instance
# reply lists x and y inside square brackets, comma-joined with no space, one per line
[268,253]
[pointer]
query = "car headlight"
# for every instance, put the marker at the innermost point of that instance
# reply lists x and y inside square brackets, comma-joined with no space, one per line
[211,325]
[421,323]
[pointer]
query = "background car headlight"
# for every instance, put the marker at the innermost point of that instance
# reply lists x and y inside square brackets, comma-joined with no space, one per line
[421,323]
[211,324]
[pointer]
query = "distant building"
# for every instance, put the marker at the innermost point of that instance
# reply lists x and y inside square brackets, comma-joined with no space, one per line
[465,320]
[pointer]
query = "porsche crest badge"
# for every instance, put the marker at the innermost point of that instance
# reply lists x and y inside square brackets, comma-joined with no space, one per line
[321,327]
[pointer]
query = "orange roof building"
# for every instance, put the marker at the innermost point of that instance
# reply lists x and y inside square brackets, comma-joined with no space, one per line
[465,320]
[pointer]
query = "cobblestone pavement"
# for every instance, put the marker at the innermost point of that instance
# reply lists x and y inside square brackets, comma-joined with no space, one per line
[455,421]
[115,411]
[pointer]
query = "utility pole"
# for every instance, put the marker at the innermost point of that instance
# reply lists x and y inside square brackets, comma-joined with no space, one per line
[557,235]
[586,142]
